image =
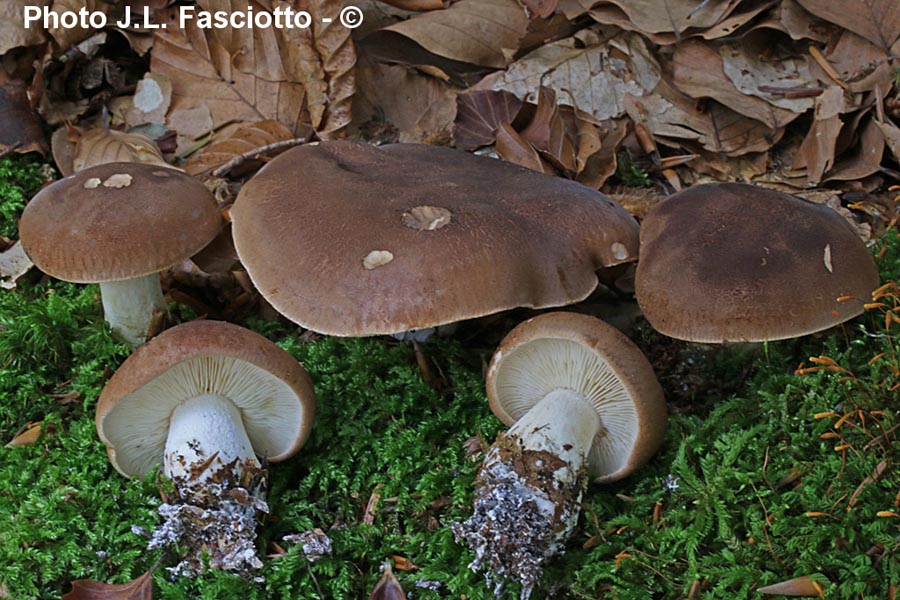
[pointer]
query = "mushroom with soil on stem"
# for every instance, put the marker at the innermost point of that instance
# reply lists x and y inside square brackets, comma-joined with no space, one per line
[205,399]
[119,225]
[583,403]
[350,239]
[729,262]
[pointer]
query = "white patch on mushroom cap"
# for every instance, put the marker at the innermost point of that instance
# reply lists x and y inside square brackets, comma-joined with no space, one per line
[427,218]
[92,183]
[827,258]
[535,369]
[619,251]
[138,425]
[377,258]
[119,180]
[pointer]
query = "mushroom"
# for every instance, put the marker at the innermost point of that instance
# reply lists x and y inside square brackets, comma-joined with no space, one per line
[583,403]
[205,398]
[734,262]
[350,239]
[118,225]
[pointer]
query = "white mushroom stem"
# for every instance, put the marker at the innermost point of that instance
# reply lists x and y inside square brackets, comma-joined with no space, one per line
[562,423]
[128,306]
[200,428]
[528,491]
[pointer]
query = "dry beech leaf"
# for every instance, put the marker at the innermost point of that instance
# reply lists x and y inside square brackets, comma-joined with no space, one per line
[204,79]
[595,79]
[478,32]
[860,64]
[246,139]
[13,264]
[864,159]
[100,146]
[401,563]
[789,17]
[876,20]
[673,118]
[421,108]
[12,25]
[27,436]
[659,16]
[20,127]
[891,136]
[698,71]
[540,9]
[816,152]
[597,147]
[87,589]
[415,5]
[512,148]
[479,114]
[803,587]
[755,67]
[388,588]
[547,133]
[66,37]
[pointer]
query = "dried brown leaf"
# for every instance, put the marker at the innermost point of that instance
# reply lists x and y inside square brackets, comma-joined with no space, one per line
[100,146]
[540,9]
[205,80]
[87,589]
[20,127]
[674,119]
[594,79]
[478,32]
[860,64]
[512,148]
[13,264]
[416,5]
[547,133]
[401,563]
[12,25]
[817,150]
[28,435]
[388,588]
[597,147]
[756,66]
[876,20]
[245,139]
[421,108]
[658,16]
[865,159]
[789,17]
[479,114]
[799,586]
[698,71]
[66,37]
[891,136]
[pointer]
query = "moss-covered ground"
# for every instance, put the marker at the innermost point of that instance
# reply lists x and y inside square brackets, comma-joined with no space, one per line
[760,479]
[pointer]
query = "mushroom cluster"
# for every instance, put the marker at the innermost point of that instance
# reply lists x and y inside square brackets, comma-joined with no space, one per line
[352,240]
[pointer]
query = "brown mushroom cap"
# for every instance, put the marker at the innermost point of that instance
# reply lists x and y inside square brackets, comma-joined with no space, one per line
[272,391]
[580,353]
[118,221]
[734,262]
[349,239]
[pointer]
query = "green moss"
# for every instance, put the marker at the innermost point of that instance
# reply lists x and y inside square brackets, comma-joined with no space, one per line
[20,178]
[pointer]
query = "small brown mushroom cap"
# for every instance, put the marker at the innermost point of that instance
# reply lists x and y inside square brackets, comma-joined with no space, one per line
[577,352]
[272,391]
[734,262]
[118,221]
[351,239]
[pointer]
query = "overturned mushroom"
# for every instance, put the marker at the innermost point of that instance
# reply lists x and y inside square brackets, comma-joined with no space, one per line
[583,403]
[118,225]
[728,262]
[352,240]
[205,399]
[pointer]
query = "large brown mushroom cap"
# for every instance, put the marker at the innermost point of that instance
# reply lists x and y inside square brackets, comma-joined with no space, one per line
[349,239]
[734,262]
[272,391]
[576,352]
[118,221]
